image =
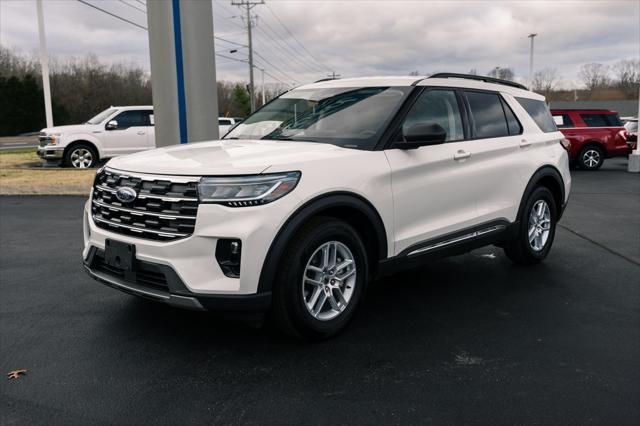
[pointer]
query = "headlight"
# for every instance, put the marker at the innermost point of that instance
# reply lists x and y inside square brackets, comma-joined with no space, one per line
[54,138]
[242,191]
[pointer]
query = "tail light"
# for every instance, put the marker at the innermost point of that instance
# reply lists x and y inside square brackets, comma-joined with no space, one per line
[565,144]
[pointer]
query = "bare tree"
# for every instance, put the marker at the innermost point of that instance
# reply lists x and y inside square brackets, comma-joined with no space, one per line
[545,80]
[627,74]
[502,73]
[594,76]
[473,71]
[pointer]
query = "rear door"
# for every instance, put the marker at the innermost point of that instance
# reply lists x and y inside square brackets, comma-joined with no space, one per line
[434,189]
[151,130]
[501,155]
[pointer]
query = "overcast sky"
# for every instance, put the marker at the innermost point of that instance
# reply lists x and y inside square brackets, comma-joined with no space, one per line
[355,38]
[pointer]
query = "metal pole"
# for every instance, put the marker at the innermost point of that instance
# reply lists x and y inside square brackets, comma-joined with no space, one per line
[44,65]
[531,36]
[263,97]
[251,86]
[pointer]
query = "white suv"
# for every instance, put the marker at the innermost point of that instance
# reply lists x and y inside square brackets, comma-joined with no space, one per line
[327,186]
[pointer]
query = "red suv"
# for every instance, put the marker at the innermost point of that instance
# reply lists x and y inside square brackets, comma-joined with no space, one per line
[595,134]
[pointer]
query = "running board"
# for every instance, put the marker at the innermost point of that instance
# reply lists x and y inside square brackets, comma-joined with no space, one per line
[459,239]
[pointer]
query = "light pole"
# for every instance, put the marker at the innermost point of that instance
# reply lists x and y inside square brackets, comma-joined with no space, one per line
[531,36]
[44,65]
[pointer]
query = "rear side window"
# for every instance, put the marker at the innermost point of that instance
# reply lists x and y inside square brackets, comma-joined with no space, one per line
[539,111]
[563,121]
[128,119]
[488,115]
[515,128]
[224,122]
[601,120]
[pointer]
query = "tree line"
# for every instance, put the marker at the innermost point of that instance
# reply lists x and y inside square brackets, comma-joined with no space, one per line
[81,88]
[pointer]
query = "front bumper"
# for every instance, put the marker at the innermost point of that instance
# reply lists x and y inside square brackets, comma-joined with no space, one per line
[50,152]
[193,276]
[160,283]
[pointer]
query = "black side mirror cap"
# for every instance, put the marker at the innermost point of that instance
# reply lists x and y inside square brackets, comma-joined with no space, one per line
[422,134]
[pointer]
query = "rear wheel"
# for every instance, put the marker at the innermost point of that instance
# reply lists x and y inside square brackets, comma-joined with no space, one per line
[591,157]
[320,280]
[81,156]
[536,229]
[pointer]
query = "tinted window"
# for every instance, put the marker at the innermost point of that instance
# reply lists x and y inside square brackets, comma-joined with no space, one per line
[539,111]
[437,107]
[488,116]
[515,128]
[224,122]
[563,121]
[128,119]
[601,120]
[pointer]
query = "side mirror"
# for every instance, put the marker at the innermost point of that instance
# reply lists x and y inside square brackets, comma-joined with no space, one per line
[422,134]
[112,125]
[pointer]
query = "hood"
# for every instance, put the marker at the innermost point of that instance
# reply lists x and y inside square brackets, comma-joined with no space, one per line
[228,157]
[66,130]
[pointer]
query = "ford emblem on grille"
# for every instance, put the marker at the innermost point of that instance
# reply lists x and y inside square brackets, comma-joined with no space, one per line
[126,194]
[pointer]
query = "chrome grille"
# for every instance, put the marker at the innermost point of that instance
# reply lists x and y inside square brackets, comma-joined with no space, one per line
[165,208]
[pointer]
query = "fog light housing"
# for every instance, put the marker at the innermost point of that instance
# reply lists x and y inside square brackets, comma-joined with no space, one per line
[228,253]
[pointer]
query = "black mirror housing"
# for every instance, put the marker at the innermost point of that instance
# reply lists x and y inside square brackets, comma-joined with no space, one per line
[422,134]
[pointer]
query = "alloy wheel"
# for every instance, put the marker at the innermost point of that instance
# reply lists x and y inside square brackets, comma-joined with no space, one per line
[539,225]
[81,158]
[591,158]
[329,280]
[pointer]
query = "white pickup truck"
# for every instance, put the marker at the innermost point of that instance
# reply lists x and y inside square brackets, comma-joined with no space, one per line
[113,132]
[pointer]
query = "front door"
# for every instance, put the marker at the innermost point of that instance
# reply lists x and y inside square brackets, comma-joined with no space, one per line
[434,190]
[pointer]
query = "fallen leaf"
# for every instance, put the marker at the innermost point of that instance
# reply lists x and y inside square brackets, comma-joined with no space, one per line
[16,374]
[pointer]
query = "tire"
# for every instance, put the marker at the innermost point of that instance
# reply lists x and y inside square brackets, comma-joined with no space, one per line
[591,157]
[81,156]
[523,250]
[308,286]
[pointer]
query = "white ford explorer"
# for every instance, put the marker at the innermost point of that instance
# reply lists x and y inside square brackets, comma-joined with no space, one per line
[325,187]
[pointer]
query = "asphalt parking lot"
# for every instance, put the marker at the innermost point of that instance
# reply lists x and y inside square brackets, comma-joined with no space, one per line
[470,339]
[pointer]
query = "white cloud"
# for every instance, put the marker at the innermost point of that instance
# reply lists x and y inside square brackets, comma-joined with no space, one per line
[360,38]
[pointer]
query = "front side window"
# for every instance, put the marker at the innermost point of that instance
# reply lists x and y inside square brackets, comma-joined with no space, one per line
[436,107]
[563,121]
[488,115]
[128,119]
[539,112]
[350,117]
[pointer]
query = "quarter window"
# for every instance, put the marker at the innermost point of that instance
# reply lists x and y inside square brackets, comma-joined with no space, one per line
[540,113]
[601,120]
[488,115]
[437,107]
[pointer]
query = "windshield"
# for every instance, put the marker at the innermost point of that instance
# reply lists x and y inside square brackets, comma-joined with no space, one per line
[101,116]
[353,117]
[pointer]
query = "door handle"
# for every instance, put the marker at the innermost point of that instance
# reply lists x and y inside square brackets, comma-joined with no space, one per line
[141,132]
[524,143]
[461,155]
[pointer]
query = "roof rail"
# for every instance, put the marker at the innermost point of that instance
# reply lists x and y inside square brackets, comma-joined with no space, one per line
[478,78]
[326,79]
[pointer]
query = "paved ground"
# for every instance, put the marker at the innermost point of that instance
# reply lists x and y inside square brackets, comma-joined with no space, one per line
[470,339]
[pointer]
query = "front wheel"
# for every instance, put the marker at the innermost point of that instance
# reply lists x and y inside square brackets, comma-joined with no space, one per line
[81,156]
[320,280]
[536,229]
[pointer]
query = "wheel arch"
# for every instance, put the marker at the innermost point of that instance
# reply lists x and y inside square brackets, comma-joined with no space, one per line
[549,177]
[350,207]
